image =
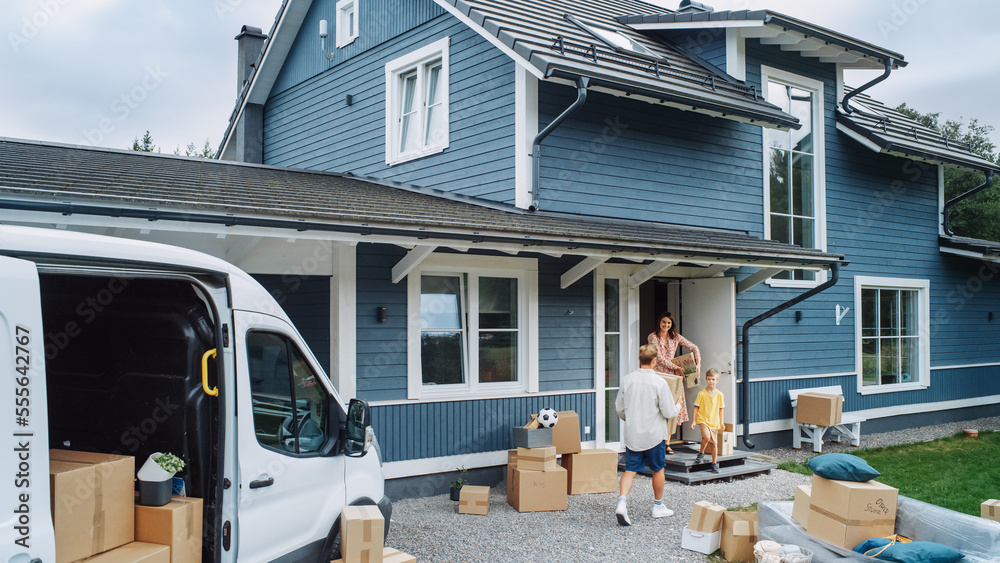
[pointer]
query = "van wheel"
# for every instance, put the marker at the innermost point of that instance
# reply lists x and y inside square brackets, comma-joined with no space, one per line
[331,548]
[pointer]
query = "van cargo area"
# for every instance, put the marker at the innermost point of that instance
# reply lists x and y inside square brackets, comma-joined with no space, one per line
[123,360]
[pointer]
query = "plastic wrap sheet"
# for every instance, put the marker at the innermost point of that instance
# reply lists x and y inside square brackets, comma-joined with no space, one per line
[977,538]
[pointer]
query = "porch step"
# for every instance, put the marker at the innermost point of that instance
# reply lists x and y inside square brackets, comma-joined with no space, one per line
[682,468]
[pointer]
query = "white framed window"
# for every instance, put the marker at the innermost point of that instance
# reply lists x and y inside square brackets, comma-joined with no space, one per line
[892,332]
[416,117]
[472,328]
[347,22]
[794,170]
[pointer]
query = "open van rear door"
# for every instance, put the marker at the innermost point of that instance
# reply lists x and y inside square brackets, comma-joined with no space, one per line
[25,516]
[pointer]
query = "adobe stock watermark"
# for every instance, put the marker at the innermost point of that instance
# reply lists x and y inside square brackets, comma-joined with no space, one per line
[30,26]
[900,15]
[123,105]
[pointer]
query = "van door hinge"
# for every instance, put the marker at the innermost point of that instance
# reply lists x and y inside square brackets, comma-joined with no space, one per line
[225,335]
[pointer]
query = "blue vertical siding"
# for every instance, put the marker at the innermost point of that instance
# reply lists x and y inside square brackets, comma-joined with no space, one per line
[378,22]
[381,347]
[308,124]
[415,431]
[623,158]
[565,327]
[306,301]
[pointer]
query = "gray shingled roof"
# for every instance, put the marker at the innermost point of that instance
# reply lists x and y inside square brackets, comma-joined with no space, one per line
[972,247]
[868,55]
[542,34]
[894,133]
[66,179]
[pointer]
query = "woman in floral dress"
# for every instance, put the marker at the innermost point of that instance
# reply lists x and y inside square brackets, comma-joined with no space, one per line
[666,340]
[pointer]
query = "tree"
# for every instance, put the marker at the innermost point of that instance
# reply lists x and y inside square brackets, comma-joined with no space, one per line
[146,145]
[191,150]
[979,215]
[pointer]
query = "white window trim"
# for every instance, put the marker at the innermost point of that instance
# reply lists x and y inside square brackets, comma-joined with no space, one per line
[525,270]
[923,288]
[819,142]
[343,37]
[399,66]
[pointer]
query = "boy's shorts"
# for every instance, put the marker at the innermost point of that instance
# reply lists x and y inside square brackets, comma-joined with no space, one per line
[655,457]
[708,431]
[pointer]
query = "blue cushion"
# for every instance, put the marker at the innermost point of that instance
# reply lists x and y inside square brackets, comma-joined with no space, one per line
[842,467]
[914,552]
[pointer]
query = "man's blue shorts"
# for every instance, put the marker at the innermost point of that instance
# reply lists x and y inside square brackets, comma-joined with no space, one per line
[655,457]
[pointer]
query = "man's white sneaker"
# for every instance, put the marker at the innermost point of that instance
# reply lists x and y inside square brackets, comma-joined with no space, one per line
[622,513]
[660,511]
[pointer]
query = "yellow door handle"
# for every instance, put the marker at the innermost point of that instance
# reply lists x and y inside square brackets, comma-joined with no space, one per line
[214,392]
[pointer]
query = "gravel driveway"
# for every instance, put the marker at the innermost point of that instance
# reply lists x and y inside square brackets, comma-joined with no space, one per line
[432,530]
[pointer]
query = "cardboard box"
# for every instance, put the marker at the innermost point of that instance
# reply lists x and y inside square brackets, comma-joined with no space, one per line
[511,465]
[591,471]
[390,555]
[820,409]
[846,513]
[706,517]
[537,459]
[92,502]
[362,533]
[687,362]
[725,440]
[674,382]
[530,437]
[566,433]
[474,499]
[991,509]
[536,491]
[800,508]
[702,542]
[739,533]
[177,524]
[134,552]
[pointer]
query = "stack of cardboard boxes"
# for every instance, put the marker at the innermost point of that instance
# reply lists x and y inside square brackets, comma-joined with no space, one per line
[93,510]
[704,532]
[362,534]
[846,513]
[536,483]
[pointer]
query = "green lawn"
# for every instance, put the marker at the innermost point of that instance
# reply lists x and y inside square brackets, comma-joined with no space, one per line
[957,472]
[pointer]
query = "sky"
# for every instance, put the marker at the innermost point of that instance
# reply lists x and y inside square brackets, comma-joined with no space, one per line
[103,72]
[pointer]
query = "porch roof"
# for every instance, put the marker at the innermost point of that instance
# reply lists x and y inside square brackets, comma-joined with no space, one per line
[65,180]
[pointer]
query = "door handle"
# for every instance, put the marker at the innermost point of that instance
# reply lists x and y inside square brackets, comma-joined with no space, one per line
[260,483]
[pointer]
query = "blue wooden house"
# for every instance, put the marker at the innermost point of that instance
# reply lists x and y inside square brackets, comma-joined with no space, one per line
[478,208]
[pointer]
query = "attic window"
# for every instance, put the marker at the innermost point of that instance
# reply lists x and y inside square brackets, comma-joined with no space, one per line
[613,38]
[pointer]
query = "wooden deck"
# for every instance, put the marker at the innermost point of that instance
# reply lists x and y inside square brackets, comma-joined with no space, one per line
[682,468]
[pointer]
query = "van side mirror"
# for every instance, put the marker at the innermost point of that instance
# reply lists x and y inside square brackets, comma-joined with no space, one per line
[358,433]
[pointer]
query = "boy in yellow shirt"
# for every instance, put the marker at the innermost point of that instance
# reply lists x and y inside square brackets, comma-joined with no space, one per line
[708,415]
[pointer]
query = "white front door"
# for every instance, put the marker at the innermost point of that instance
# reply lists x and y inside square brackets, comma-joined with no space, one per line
[27,534]
[290,493]
[710,322]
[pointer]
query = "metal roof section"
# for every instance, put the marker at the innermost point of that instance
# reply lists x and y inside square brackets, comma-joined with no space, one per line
[556,39]
[773,28]
[975,249]
[57,181]
[883,129]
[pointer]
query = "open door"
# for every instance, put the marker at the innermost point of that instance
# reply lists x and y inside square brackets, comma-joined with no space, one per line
[710,322]
[25,501]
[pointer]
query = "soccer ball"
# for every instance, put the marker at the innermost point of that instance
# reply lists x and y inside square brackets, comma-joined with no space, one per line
[547,418]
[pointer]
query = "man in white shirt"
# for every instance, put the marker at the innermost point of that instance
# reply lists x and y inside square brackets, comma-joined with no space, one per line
[645,403]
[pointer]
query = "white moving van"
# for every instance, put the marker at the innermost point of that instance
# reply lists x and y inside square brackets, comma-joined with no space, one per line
[127,347]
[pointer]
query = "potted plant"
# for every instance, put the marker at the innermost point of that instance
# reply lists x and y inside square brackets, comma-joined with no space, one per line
[457,484]
[156,478]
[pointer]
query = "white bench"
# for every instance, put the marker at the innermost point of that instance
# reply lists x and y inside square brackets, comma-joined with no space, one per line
[849,427]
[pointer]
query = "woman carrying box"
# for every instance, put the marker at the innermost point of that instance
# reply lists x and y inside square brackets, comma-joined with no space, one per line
[667,340]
